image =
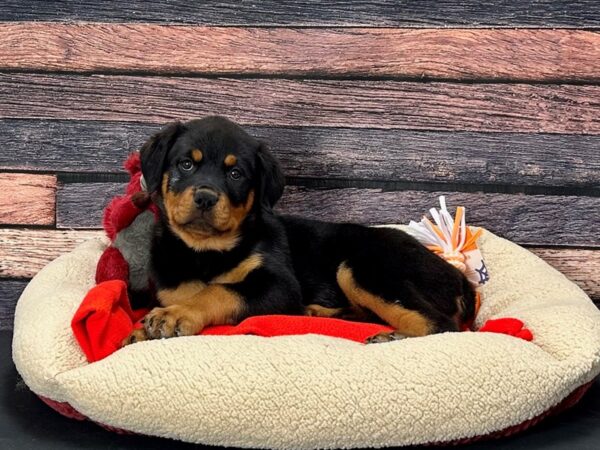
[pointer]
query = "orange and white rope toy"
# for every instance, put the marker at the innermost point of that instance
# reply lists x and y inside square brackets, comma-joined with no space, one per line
[453,240]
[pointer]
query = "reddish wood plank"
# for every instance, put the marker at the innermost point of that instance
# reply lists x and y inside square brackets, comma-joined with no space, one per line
[579,265]
[330,103]
[27,199]
[531,55]
[23,252]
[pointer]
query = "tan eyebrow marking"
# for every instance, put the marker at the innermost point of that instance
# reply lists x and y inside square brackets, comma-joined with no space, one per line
[197,155]
[230,160]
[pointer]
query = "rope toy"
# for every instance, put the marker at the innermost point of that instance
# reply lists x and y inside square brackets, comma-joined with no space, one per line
[453,240]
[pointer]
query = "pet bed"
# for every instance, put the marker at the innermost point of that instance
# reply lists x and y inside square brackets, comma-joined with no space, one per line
[312,391]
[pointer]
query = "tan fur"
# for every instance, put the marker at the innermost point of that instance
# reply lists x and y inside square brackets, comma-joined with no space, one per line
[241,271]
[181,293]
[213,305]
[197,155]
[405,321]
[230,160]
[322,311]
[226,219]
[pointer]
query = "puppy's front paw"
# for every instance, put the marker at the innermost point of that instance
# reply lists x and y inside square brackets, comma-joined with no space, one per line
[385,337]
[137,335]
[174,320]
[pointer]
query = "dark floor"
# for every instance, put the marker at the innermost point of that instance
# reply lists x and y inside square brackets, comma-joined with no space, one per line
[27,423]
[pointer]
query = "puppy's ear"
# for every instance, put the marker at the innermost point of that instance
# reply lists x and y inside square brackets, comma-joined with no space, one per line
[271,179]
[153,154]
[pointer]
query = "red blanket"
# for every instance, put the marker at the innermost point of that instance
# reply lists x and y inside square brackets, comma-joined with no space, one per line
[105,318]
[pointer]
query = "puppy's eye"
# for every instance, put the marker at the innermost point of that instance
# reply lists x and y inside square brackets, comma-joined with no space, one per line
[186,164]
[235,174]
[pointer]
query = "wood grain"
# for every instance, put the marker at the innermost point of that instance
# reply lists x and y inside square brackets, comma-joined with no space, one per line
[10,291]
[23,252]
[377,13]
[27,199]
[331,153]
[525,55]
[81,205]
[581,266]
[527,219]
[330,103]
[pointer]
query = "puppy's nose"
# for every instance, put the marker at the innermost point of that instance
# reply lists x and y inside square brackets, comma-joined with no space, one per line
[205,199]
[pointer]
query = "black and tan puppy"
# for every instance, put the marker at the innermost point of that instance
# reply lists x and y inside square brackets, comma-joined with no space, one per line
[220,254]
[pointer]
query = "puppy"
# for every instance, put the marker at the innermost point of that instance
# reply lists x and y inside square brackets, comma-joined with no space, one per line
[220,254]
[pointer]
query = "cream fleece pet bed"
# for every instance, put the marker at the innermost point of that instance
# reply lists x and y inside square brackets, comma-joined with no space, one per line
[314,391]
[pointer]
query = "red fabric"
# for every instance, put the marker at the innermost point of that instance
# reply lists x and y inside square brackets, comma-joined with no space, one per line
[280,325]
[112,266]
[510,326]
[105,318]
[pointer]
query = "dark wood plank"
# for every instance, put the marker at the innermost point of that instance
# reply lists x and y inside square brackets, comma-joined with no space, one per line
[525,55]
[332,153]
[27,199]
[81,205]
[23,252]
[378,13]
[331,103]
[527,219]
[10,291]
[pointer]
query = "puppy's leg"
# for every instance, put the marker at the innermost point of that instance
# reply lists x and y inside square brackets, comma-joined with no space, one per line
[315,310]
[407,322]
[189,309]
[216,304]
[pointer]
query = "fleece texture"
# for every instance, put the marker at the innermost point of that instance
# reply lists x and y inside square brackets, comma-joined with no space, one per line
[315,391]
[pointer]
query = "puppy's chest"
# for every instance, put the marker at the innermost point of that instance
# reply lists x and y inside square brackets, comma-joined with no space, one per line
[208,268]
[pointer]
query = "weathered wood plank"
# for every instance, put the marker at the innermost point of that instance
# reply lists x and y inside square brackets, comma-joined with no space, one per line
[23,252]
[330,103]
[378,13]
[527,219]
[332,153]
[27,199]
[579,265]
[525,55]
[81,205]
[10,291]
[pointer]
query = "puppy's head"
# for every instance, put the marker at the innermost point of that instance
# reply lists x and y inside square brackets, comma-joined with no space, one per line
[209,175]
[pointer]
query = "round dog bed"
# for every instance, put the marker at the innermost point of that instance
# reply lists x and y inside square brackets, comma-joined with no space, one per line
[314,391]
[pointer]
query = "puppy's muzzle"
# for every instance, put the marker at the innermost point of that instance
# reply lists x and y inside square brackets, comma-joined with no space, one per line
[205,199]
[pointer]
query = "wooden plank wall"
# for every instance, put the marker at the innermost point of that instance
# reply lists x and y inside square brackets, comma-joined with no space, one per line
[374,107]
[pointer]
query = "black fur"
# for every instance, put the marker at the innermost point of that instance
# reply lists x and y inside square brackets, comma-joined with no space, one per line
[300,257]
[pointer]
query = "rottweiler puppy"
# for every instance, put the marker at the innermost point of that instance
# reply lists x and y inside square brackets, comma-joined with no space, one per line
[220,254]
